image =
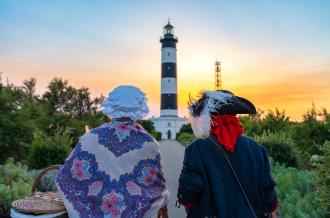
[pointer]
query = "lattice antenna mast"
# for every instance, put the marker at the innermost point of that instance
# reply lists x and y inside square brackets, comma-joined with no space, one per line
[218,81]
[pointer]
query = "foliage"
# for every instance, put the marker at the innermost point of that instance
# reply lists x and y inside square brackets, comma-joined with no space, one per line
[61,97]
[22,113]
[322,174]
[307,136]
[35,115]
[157,135]
[14,132]
[271,122]
[47,150]
[15,183]
[296,191]
[149,127]
[34,129]
[29,88]
[310,134]
[186,128]
[279,146]
[76,126]
[186,138]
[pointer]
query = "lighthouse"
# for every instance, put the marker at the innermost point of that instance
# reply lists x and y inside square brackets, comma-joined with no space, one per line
[169,99]
[169,123]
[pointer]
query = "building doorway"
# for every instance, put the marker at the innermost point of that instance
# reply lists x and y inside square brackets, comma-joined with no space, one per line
[169,134]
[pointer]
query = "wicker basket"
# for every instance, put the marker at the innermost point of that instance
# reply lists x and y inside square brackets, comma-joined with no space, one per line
[40,202]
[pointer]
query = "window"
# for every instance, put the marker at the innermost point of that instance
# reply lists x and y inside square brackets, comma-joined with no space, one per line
[169,80]
[168,67]
[169,124]
[168,54]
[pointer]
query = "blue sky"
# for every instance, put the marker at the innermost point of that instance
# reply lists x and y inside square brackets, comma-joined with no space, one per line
[267,48]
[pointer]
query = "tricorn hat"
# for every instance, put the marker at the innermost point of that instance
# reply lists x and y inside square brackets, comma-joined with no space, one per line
[220,102]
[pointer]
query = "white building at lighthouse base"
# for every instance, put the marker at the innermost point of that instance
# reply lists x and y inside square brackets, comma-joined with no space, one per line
[169,126]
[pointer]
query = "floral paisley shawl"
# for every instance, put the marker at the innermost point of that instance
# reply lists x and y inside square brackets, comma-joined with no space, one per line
[114,171]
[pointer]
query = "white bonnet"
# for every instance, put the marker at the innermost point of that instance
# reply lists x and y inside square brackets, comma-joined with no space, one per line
[125,101]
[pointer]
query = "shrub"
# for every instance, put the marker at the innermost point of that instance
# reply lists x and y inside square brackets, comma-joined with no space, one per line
[186,128]
[273,121]
[322,175]
[186,139]
[156,135]
[47,150]
[296,190]
[14,132]
[311,133]
[15,183]
[280,147]
[149,127]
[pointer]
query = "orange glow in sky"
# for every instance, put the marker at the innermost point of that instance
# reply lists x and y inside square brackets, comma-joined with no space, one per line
[276,55]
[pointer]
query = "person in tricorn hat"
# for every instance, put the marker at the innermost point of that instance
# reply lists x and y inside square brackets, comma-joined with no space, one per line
[225,174]
[115,169]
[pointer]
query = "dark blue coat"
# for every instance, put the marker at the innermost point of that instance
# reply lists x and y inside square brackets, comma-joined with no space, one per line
[207,181]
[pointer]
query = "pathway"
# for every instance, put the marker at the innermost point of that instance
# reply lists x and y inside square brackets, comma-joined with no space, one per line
[172,153]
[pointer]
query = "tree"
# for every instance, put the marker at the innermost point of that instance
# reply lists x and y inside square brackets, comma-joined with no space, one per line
[81,103]
[58,94]
[63,98]
[149,127]
[48,150]
[29,87]
[186,128]
[276,121]
[311,133]
[273,121]
[252,123]
[14,132]
[36,115]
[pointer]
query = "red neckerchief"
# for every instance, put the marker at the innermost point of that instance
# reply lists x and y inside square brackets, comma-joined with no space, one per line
[227,129]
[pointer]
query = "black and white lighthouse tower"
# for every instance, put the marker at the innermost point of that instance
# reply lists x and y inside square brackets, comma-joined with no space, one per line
[169,123]
[169,102]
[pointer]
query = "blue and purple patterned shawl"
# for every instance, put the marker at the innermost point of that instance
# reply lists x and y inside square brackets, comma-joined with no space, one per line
[114,171]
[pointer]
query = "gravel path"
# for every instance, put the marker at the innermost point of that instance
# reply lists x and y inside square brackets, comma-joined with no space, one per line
[172,153]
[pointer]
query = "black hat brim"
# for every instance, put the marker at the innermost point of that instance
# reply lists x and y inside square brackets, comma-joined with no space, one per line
[232,105]
[236,105]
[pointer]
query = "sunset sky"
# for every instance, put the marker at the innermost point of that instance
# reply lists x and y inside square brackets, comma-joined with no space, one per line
[275,53]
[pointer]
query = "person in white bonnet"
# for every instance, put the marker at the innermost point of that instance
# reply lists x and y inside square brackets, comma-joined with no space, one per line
[115,169]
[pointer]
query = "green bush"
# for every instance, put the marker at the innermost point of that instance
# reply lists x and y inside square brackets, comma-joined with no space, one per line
[15,183]
[311,133]
[156,135]
[14,132]
[186,128]
[296,190]
[280,147]
[149,127]
[322,175]
[186,138]
[47,150]
[273,121]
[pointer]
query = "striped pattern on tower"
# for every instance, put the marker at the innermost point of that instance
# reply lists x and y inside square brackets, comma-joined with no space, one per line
[169,100]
